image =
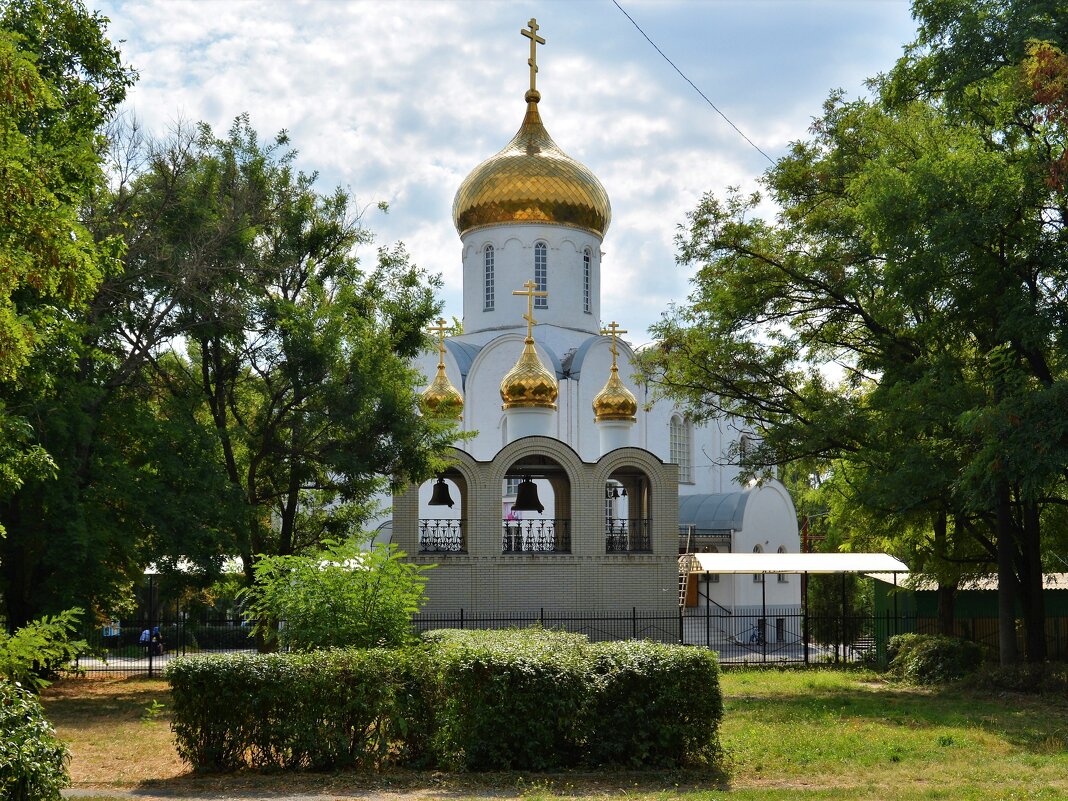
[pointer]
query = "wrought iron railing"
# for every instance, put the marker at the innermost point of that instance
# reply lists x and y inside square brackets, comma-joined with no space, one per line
[627,536]
[536,536]
[441,536]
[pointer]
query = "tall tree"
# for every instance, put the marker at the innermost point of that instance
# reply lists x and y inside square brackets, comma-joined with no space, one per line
[919,257]
[297,354]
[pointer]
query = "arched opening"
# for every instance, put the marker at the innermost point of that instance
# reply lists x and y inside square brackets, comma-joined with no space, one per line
[627,505]
[531,482]
[441,526]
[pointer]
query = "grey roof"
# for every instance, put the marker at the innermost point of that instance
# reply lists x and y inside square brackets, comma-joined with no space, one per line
[572,363]
[465,354]
[719,510]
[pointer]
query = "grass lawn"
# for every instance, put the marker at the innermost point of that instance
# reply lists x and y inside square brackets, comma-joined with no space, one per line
[789,735]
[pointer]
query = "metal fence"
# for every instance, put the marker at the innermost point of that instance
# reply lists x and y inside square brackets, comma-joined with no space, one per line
[775,636]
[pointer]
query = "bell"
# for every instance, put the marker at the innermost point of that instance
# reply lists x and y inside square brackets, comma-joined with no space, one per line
[526,497]
[441,496]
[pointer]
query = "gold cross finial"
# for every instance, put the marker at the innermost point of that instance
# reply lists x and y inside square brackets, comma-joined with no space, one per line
[535,40]
[613,330]
[531,291]
[440,330]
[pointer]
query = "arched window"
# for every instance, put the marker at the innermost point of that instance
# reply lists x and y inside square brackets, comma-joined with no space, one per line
[541,274]
[679,439]
[758,578]
[587,258]
[783,579]
[487,278]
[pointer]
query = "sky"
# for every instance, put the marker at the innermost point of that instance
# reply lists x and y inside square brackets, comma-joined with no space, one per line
[399,101]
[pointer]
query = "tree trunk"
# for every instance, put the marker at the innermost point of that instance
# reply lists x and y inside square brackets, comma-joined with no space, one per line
[1032,600]
[1007,583]
[947,592]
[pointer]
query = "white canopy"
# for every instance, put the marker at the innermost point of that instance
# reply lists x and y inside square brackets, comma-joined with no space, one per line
[791,563]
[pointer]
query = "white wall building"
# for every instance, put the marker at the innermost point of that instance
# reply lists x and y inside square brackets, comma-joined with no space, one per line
[533,214]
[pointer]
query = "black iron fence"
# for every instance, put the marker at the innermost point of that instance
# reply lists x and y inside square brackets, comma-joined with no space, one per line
[441,536]
[627,536]
[776,635]
[536,536]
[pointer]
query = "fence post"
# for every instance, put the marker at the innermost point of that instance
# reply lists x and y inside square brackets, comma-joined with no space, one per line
[461,618]
[682,638]
[804,614]
[634,622]
[541,617]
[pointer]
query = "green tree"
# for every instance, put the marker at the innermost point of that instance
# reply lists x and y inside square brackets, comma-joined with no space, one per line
[918,253]
[297,356]
[343,596]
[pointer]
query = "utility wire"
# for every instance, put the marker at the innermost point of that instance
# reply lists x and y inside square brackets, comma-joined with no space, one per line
[680,72]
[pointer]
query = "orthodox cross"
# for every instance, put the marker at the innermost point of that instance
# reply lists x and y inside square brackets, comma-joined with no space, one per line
[440,330]
[613,330]
[535,40]
[531,292]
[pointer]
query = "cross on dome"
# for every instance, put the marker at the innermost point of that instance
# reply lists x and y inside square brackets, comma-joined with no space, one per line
[535,40]
[531,292]
[440,329]
[613,330]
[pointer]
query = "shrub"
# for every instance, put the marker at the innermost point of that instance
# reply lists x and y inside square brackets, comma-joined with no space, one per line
[932,658]
[33,763]
[480,700]
[326,709]
[509,700]
[653,705]
[342,597]
[40,648]
[1043,678]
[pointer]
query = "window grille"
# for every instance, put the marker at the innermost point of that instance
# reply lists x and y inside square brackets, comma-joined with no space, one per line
[541,274]
[487,262]
[680,448]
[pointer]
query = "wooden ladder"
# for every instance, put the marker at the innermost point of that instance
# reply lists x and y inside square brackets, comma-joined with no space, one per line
[685,568]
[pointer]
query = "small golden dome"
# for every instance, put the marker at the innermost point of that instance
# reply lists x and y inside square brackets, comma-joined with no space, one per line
[529,384]
[532,181]
[441,399]
[615,401]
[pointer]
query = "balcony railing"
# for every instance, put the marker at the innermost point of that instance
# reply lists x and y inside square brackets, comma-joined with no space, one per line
[536,536]
[627,536]
[441,536]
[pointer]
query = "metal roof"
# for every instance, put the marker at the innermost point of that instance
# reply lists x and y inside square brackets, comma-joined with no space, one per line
[792,563]
[717,511]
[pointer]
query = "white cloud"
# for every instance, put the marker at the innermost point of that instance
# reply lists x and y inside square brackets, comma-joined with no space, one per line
[399,101]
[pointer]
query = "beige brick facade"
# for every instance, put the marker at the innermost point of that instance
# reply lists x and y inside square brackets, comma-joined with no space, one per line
[482,578]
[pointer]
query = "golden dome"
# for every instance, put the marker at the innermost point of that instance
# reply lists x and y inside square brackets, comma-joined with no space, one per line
[529,384]
[615,401]
[441,399]
[531,181]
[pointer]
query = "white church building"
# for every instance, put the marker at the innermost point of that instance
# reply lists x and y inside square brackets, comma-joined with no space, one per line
[575,490]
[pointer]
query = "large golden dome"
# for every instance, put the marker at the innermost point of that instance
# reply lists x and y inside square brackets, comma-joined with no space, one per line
[529,384]
[615,401]
[530,181]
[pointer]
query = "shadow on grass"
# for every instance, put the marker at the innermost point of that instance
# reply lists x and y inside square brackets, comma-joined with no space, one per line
[1033,724]
[506,784]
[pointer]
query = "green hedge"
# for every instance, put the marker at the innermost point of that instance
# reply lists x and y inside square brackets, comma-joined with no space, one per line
[316,710]
[528,699]
[932,658]
[33,763]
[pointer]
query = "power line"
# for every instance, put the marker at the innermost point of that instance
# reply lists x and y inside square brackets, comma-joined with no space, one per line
[680,72]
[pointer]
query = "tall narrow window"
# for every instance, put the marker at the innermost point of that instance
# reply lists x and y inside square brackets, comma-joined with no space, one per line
[541,274]
[487,281]
[680,448]
[586,258]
